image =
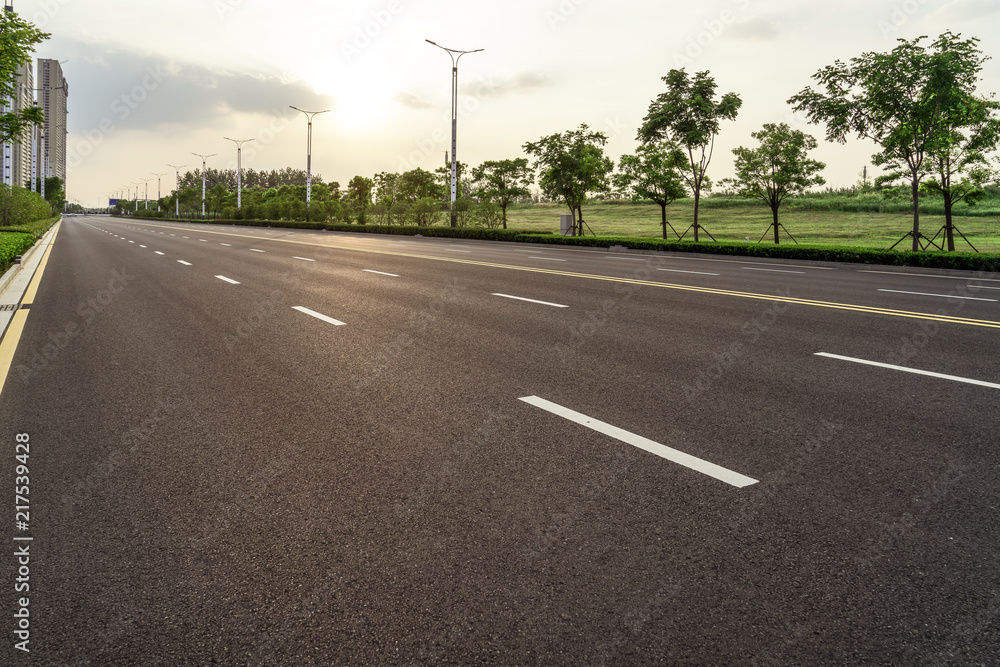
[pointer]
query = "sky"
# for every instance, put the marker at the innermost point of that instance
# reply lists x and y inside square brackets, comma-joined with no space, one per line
[151,83]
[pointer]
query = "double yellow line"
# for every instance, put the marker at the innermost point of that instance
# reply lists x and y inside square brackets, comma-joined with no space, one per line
[633,281]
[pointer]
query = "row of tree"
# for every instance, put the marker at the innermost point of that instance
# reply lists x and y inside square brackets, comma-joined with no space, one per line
[918,103]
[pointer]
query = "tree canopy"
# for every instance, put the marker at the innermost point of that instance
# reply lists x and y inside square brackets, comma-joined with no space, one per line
[907,101]
[688,114]
[777,169]
[17,46]
[503,182]
[654,172]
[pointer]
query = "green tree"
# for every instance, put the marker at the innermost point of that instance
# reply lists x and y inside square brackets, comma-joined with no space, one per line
[777,169]
[688,114]
[503,182]
[419,184]
[359,196]
[907,101]
[959,167]
[654,172]
[386,196]
[572,164]
[17,41]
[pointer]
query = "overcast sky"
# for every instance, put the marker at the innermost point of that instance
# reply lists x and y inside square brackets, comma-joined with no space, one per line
[153,82]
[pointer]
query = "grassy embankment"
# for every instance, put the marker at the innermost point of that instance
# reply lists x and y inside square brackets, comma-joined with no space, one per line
[734,220]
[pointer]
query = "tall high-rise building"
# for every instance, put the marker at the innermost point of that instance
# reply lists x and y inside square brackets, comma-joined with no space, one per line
[52,94]
[21,166]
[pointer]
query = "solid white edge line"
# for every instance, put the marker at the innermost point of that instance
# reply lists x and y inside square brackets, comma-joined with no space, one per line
[319,316]
[181,261]
[947,296]
[304,259]
[381,273]
[551,259]
[694,463]
[700,273]
[228,280]
[521,298]
[909,370]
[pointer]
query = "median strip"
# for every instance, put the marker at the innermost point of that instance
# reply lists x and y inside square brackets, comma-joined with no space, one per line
[668,453]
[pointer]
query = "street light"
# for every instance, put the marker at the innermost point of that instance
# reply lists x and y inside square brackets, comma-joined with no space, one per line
[158,190]
[454,122]
[239,169]
[309,143]
[145,197]
[204,158]
[177,187]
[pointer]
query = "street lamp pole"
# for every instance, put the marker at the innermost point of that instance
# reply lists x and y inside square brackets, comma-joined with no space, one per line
[455,56]
[177,188]
[145,197]
[158,195]
[239,170]
[309,143]
[204,158]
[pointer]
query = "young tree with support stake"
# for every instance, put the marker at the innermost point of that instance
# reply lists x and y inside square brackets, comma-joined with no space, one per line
[654,172]
[688,114]
[779,168]
[572,164]
[959,168]
[908,101]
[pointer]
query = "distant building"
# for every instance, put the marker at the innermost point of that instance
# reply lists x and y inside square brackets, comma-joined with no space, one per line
[22,151]
[52,95]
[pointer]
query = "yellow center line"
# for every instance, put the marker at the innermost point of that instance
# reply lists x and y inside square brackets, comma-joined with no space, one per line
[648,283]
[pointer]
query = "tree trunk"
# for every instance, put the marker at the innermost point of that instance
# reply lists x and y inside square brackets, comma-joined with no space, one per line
[915,187]
[663,223]
[774,213]
[948,228]
[504,211]
[697,198]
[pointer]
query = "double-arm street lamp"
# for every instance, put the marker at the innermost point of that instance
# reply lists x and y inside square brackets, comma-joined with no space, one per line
[239,170]
[177,188]
[309,143]
[204,159]
[455,56]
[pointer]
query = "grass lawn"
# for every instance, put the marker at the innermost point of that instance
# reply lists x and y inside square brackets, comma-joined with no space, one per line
[735,222]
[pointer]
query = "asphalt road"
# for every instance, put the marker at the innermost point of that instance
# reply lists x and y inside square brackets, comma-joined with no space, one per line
[219,476]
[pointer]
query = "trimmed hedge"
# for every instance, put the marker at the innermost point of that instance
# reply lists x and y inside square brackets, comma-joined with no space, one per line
[988,262]
[13,244]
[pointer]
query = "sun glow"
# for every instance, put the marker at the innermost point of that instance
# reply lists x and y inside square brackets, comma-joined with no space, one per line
[360,103]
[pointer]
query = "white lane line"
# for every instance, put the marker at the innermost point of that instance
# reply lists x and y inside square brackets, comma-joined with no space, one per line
[925,275]
[181,261]
[748,268]
[183,237]
[227,244]
[551,259]
[947,296]
[674,455]
[700,273]
[455,250]
[319,316]
[255,250]
[521,298]
[627,259]
[381,273]
[158,252]
[142,246]
[981,287]
[228,280]
[131,241]
[910,370]
[203,240]
[304,259]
